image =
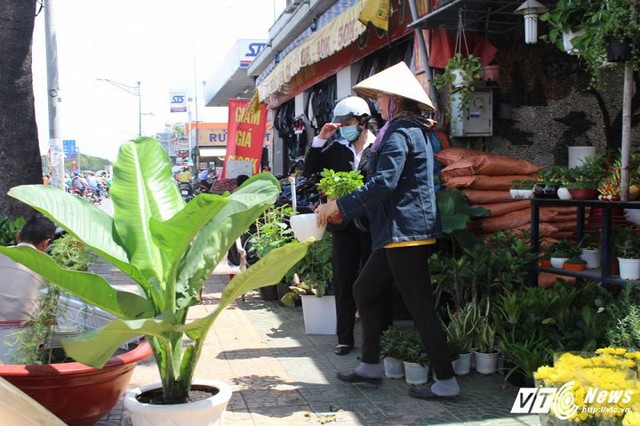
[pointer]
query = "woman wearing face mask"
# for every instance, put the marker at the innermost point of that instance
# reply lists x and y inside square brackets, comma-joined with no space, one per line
[351,242]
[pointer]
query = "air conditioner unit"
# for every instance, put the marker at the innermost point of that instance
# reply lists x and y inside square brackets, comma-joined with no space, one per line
[292,5]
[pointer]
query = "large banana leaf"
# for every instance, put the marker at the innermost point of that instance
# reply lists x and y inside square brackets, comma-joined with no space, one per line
[93,289]
[95,348]
[168,247]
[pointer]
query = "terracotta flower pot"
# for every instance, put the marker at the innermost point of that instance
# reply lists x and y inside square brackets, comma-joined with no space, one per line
[583,194]
[76,393]
[574,266]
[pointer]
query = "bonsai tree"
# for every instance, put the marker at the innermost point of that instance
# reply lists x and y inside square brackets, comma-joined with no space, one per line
[168,247]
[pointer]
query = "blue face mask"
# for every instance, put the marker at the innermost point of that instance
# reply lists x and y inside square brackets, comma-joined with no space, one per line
[350,133]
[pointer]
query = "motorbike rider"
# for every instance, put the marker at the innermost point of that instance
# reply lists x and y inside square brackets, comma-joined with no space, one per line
[351,242]
[79,183]
[93,184]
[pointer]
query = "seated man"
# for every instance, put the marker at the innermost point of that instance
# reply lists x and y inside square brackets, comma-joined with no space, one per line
[19,286]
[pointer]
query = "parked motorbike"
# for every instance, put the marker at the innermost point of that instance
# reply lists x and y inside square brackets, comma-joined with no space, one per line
[88,195]
[186,190]
[307,195]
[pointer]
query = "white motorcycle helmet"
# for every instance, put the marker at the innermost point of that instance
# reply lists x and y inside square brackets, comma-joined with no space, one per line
[350,107]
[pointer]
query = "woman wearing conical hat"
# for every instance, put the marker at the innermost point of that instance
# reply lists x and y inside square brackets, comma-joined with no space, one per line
[399,199]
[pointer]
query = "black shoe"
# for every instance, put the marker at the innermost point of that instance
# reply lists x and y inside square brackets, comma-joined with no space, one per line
[342,349]
[424,392]
[354,377]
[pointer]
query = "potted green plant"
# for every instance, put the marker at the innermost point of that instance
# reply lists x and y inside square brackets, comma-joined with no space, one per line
[414,359]
[460,77]
[626,247]
[31,358]
[590,250]
[523,355]
[312,283]
[522,189]
[575,263]
[583,180]
[566,19]
[591,29]
[338,184]
[486,354]
[460,334]
[169,248]
[549,180]
[390,349]
[562,250]
[271,231]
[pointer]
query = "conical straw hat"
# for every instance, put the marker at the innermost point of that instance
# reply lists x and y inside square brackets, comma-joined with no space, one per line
[396,80]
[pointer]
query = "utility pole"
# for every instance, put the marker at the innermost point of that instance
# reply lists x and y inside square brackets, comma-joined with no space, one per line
[54,97]
[132,90]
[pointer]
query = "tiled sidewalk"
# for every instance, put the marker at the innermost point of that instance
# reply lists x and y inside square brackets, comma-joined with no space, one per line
[280,375]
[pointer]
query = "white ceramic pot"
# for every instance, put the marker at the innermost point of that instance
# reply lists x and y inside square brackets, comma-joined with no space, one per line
[592,257]
[577,154]
[459,77]
[563,193]
[567,43]
[393,368]
[486,363]
[205,412]
[305,228]
[462,365]
[557,262]
[633,216]
[521,194]
[319,314]
[415,374]
[629,268]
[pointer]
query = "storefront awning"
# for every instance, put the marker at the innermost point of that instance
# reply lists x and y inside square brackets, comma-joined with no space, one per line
[213,151]
[330,39]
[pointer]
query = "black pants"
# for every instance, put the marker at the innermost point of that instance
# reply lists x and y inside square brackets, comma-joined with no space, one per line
[407,268]
[350,251]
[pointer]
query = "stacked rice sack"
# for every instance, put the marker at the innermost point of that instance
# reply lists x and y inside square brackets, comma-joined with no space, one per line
[485,179]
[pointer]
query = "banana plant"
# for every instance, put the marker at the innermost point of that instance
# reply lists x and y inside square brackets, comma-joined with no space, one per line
[168,247]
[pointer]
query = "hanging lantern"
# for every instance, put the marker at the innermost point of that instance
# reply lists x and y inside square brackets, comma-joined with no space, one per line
[531,9]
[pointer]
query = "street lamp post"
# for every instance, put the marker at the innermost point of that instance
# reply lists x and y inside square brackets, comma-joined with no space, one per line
[133,90]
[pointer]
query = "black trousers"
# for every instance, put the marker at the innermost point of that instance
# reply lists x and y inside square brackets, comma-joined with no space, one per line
[350,251]
[407,268]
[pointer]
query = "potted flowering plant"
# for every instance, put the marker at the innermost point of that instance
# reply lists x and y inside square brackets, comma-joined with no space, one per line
[582,374]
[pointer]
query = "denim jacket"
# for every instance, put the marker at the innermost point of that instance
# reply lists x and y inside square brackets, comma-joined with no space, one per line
[399,196]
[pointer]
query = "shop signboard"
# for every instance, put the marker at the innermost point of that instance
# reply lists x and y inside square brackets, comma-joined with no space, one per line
[247,126]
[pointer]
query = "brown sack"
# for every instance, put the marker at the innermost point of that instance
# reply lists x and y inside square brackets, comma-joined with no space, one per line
[451,155]
[498,209]
[490,165]
[479,196]
[494,183]
[510,220]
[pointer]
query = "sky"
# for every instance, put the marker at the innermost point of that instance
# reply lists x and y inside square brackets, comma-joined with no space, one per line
[167,45]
